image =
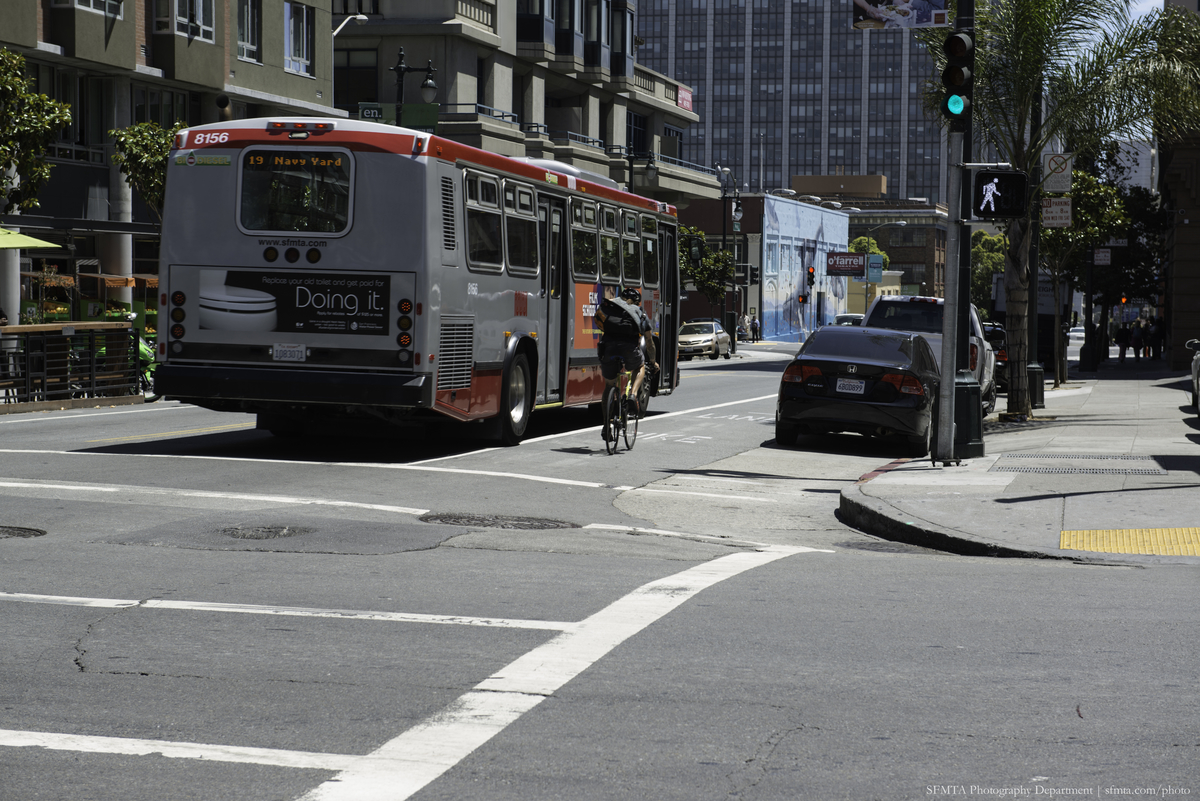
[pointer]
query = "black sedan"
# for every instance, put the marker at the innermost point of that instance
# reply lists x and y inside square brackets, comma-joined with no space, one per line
[872,381]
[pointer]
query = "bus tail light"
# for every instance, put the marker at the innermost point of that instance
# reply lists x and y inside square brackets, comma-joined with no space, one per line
[177,331]
[177,298]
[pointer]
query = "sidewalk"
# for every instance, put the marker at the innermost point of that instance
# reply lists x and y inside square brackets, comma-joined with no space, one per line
[1108,471]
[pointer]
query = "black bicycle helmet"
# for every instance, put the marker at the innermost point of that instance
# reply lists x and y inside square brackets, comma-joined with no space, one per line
[631,294]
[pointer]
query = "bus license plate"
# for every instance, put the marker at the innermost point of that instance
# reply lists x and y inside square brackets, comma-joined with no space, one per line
[853,386]
[288,353]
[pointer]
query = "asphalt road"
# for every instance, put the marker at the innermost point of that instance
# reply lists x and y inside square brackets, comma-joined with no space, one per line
[214,613]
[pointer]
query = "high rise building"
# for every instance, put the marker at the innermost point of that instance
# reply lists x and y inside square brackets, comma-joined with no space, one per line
[791,88]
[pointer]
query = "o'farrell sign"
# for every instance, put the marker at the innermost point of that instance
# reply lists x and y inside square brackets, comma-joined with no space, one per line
[852,264]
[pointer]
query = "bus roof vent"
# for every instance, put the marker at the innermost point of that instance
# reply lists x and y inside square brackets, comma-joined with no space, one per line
[449,240]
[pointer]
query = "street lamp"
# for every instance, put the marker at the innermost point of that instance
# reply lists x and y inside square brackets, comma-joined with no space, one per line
[358,19]
[870,243]
[651,167]
[727,180]
[428,87]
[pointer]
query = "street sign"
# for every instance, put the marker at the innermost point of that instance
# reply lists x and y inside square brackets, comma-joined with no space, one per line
[845,264]
[999,193]
[1056,212]
[1056,167]
[1102,257]
[875,268]
[370,111]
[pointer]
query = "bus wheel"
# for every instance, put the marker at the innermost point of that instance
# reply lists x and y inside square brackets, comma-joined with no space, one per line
[516,401]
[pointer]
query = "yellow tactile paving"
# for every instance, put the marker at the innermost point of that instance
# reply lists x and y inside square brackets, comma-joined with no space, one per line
[1156,541]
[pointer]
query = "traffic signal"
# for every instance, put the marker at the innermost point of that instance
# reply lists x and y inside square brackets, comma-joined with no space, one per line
[999,193]
[812,277]
[959,48]
[802,298]
[754,274]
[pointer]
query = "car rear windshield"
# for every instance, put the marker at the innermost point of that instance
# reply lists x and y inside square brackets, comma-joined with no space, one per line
[855,343]
[923,318]
[696,328]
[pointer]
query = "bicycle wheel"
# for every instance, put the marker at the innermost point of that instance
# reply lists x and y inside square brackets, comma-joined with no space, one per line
[612,419]
[630,425]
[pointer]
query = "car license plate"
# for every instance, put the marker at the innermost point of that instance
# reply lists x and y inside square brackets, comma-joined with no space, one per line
[288,353]
[853,386]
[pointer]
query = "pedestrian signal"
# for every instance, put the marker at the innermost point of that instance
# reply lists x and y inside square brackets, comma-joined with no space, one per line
[812,277]
[1000,193]
[802,298]
[957,78]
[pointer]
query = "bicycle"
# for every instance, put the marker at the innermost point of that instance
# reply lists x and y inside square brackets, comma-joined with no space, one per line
[617,420]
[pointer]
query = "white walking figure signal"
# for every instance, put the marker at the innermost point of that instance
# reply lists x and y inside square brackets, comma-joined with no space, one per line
[990,193]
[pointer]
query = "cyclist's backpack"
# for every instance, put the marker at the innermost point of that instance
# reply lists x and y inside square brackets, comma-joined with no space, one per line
[619,320]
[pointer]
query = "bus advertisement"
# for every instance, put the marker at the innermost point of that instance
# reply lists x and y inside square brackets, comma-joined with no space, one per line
[315,270]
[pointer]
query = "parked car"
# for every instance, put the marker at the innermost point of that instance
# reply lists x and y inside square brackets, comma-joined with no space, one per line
[1194,346]
[924,316]
[997,337]
[706,338]
[1075,334]
[848,319]
[871,381]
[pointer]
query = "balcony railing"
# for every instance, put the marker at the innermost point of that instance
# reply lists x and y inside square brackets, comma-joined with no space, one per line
[478,109]
[562,137]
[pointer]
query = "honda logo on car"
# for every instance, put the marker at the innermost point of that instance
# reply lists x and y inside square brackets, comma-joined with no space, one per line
[851,368]
[854,264]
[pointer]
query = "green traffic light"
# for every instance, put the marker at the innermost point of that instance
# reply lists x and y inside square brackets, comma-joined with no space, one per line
[955,104]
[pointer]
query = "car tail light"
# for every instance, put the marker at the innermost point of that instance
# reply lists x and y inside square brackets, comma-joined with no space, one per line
[808,371]
[974,356]
[793,374]
[904,384]
[1002,355]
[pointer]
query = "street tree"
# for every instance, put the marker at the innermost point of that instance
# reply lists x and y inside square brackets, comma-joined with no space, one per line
[1097,214]
[141,151]
[1101,74]
[868,245]
[987,260]
[29,123]
[711,273]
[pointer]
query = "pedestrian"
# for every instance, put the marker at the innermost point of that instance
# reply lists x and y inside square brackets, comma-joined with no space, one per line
[1158,331]
[754,326]
[1135,340]
[1122,339]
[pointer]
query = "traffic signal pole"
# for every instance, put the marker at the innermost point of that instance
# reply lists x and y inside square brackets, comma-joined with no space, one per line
[943,450]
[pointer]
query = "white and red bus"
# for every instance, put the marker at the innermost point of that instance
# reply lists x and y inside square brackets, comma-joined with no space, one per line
[315,269]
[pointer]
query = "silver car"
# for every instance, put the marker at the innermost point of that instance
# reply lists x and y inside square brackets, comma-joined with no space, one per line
[703,339]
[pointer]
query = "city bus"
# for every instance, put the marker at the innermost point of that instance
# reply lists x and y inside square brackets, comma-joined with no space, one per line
[314,270]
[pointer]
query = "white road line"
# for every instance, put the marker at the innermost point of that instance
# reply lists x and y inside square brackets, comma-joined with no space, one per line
[409,762]
[46,418]
[228,496]
[441,741]
[288,611]
[756,498]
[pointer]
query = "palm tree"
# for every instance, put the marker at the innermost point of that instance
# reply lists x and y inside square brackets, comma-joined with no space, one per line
[1103,75]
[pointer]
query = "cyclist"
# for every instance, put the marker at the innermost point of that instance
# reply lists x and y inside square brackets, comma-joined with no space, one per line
[624,331]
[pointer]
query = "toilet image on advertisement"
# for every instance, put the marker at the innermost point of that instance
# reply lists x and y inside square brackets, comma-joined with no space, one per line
[231,308]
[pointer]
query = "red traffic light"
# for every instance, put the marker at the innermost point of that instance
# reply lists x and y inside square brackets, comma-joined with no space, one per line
[802,299]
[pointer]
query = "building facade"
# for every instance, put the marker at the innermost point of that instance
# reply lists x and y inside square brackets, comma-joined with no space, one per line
[788,89]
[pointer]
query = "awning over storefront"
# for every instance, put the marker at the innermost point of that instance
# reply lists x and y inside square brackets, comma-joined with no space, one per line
[148,280]
[110,280]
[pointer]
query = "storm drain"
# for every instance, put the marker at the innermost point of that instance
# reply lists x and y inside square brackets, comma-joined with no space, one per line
[496,521]
[1120,464]
[7,532]
[263,532]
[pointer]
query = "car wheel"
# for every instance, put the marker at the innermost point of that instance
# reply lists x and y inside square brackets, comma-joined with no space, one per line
[729,353]
[989,401]
[716,354]
[919,446]
[785,433]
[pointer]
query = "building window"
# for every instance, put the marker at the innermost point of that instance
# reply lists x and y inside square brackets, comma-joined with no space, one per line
[110,8]
[163,106]
[341,7]
[298,23]
[249,27]
[194,19]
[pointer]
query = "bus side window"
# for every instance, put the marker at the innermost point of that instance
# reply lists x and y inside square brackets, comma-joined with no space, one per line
[649,251]
[520,226]
[583,240]
[485,240]
[631,256]
[610,247]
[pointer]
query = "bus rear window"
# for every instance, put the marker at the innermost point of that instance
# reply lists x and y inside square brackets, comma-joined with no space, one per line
[295,190]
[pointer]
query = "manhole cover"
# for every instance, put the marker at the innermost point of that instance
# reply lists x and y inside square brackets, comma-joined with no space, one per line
[495,521]
[263,532]
[1116,464]
[14,531]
